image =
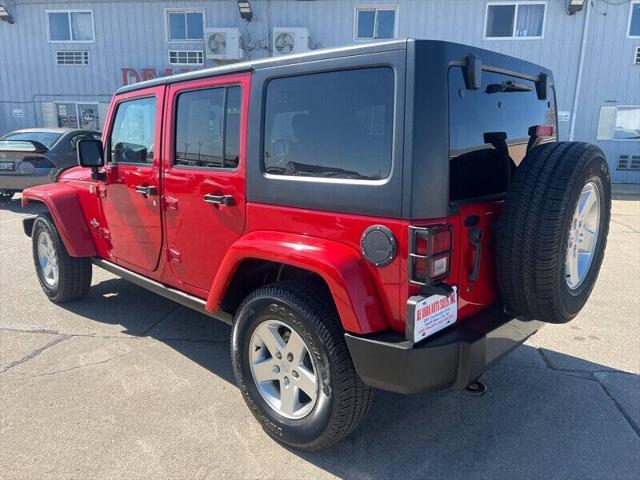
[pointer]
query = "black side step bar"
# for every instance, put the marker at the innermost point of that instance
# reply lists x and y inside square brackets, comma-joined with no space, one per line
[177,296]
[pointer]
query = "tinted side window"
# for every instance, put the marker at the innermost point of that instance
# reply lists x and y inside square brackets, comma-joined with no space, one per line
[332,125]
[208,128]
[133,131]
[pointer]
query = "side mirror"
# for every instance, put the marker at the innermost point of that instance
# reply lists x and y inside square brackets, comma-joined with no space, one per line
[90,153]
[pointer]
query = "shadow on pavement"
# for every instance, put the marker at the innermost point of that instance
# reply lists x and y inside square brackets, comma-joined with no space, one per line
[536,421]
[110,302]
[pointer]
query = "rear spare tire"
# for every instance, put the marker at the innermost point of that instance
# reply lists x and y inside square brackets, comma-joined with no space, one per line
[553,231]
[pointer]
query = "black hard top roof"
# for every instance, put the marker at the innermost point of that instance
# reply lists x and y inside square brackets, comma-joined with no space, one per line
[271,61]
[322,54]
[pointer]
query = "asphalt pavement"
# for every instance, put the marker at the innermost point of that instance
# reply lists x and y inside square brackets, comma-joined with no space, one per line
[126,384]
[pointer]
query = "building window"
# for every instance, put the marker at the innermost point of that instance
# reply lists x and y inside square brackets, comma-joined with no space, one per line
[185,25]
[375,22]
[208,128]
[515,20]
[636,57]
[77,115]
[70,25]
[619,123]
[186,57]
[72,57]
[634,20]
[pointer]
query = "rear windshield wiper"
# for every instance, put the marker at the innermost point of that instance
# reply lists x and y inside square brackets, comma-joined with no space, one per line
[303,170]
[508,86]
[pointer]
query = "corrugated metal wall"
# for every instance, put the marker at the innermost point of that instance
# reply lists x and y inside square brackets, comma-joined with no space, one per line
[132,33]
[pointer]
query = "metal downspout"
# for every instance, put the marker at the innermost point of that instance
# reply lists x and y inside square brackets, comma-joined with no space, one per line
[583,49]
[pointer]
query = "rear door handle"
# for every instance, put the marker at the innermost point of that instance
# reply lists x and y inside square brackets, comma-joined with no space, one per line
[225,200]
[146,190]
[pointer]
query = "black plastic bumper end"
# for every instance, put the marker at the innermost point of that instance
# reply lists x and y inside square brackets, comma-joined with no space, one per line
[453,357]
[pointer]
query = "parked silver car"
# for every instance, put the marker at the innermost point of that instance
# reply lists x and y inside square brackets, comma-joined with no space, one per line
[35,156]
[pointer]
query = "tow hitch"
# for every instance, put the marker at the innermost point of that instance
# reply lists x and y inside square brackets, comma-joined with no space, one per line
[476,388]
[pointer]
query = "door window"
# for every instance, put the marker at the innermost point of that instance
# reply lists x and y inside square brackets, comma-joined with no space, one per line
[208,128]
[133,131]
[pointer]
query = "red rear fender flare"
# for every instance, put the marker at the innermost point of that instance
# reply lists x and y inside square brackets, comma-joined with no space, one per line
[65,209]
[340,266]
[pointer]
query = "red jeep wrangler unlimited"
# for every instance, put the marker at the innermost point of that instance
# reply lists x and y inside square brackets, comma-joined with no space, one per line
[395,215]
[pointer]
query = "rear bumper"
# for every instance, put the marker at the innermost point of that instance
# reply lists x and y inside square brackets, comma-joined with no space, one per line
[453,357]
[20,182]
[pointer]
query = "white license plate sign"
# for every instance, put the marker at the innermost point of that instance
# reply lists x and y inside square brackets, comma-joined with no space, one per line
[6,165]
[435,313]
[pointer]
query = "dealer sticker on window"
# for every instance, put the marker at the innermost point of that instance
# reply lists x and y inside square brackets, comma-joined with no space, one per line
[434,313]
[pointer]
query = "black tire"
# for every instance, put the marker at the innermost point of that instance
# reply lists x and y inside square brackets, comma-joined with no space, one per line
[533,231]
[74,273]
[343,400]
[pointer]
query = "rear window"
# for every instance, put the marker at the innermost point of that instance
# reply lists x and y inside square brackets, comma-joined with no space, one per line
[503,104]
[489,130]
[45,138]
[330,125]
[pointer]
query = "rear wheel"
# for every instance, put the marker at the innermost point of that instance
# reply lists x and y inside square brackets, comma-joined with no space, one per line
[63,278]
[294,369]
[553,231]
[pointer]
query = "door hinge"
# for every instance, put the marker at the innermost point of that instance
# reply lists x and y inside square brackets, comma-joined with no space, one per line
[101,191]
[105,233]
[170,203]
[173,255]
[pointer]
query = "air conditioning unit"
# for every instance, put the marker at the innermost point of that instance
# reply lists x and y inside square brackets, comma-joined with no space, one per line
[290,40]
[222,44]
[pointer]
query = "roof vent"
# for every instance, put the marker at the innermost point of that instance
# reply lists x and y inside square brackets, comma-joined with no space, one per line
[72,57]
[636,58]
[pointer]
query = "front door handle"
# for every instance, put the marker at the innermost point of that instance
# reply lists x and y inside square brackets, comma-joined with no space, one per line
[146,190]
[224,200]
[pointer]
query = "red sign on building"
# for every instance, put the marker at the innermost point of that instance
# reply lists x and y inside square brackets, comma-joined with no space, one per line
[133,75]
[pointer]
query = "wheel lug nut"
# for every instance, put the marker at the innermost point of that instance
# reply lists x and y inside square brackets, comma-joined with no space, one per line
[295,374]
[286,382]
[290,357]
[276,369]
[279,356]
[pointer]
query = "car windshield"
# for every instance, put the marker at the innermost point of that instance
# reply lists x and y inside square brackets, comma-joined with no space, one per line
[45,138]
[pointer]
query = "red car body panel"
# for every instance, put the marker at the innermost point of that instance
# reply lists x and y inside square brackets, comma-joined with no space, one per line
[65,207]
[338,264]
[133,222]
[186,213]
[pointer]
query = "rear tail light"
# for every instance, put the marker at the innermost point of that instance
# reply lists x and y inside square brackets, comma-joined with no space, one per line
[429,254]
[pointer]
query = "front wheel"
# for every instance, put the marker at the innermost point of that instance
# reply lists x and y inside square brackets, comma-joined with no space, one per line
[63,278]
[294,369]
